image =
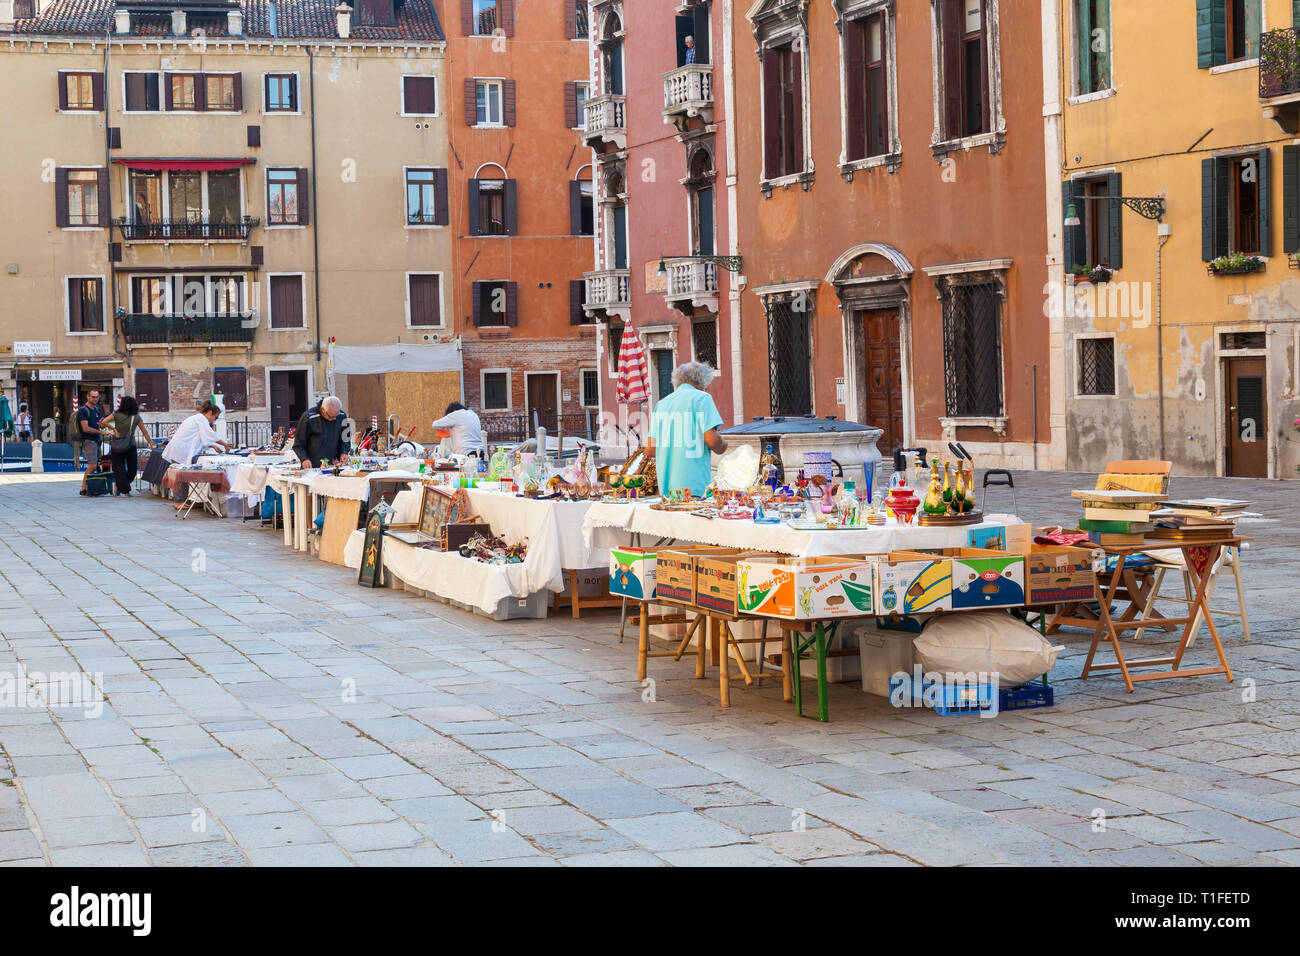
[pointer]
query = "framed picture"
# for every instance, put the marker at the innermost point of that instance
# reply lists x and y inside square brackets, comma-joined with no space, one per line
[371,574]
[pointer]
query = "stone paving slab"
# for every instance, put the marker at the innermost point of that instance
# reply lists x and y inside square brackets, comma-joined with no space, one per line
[264,710]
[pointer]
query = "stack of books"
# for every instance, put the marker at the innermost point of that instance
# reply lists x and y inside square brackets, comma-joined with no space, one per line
[1118,518]
[1199,518]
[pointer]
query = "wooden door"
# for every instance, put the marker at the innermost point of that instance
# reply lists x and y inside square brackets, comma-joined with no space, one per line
[1247,418]
[542,403]
[883,371]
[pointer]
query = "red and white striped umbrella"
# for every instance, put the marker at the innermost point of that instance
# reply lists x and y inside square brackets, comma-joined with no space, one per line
[633,374]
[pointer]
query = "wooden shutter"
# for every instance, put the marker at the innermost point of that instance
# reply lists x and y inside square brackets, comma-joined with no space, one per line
[771,113]
[286,302]
[508,102]
[200,91]
[74,305]
[950,32]
[475,219]
[419,95]
[1264,170]
[114,252]
[512,303]
[1222,170]
[61,198]
[796,118]
[257,255]
[571,18]
[507,10]
[441,215]
[571,104]
[471,102]
[151,94]
[293,93]
[577,289]
[477,292]
[1207,210]
[425,305]
[97,92]
[575,208]
[1211,33]
[1074,235]
[238,80]
[467,17]
[1291,197]
[702,14]
[101,187]
[1115,241]
[855,75]
[63,90]
[232,383]
[167,89]
[254,137]
[512,207]
[304,198]
[115,137]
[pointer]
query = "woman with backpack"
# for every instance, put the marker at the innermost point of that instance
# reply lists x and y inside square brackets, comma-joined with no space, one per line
[126,421]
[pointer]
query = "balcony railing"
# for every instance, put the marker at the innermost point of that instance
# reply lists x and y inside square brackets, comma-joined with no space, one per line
[202,329]
[688,90]
[609,290]
[691,282]
[187,231]
[606,120]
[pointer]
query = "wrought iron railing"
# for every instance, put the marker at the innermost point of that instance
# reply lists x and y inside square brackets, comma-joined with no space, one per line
[688,88]
[205,329]
[1279,62]
[512,429]
[185,230]
[605,115]
[240,434]
[609,288]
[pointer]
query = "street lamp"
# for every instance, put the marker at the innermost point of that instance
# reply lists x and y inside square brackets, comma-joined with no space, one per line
[730,263]
[1148,207]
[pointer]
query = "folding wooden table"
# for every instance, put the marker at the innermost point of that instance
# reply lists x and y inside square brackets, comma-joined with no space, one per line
[1200,557]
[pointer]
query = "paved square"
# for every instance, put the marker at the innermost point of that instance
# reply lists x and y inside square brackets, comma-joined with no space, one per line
[230,733]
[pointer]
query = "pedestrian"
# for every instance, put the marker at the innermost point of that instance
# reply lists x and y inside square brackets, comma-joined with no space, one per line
[684,429]
[24,423]
[319,437]
[126,421]
[466,430]
[88,436]
[690,50]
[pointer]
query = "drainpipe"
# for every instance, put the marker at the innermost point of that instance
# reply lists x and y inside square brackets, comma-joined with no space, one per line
[108,189]
[1163,232]
[733,239]
[315,208]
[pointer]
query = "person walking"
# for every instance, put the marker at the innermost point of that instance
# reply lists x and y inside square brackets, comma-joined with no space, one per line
[319,437]
[89,436]
[24,423]
[126,421]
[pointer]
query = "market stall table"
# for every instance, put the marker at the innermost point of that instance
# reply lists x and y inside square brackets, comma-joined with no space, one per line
[196,486]
[1200,558]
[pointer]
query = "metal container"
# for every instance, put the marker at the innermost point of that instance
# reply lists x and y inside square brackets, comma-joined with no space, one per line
[850,444]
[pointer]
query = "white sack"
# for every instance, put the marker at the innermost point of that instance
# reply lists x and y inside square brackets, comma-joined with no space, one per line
[985,642]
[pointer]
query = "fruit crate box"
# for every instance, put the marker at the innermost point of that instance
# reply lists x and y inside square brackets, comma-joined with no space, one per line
[947,699]
[1026,696]
[803,589]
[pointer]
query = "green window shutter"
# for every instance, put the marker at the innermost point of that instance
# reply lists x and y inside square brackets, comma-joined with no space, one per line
[1295,13]
[1115,241]
[1222,170]
[1207,210]
[1265,174]
[1102,23]
[1074,235]
[1085,45]
[1211,33]
[1291,197]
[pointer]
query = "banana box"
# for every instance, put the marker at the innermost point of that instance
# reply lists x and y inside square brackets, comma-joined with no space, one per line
[716,580]
[675,572]
[984,578]
[912,583]
[809,588]
[632,573]
[1055,574]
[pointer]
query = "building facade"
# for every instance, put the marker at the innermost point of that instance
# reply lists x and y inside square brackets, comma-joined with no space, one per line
[666,263]
[1185,347]
[521,212]
[215,196]
[893,222]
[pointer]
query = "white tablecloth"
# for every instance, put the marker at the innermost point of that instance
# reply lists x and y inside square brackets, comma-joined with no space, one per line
[353,489]
[515,518]
[610,525]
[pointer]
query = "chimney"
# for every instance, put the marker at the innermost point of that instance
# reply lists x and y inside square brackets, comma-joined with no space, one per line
[272,21]
[122,22]
[343,16]
[178,23]
[6,16]
[235,23]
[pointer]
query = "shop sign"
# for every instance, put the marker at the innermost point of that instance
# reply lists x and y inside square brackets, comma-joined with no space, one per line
[60,375]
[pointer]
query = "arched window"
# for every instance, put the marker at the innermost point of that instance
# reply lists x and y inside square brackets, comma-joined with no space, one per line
[611,46]
[492,203]
[703,199]
[615,203]
[582,203]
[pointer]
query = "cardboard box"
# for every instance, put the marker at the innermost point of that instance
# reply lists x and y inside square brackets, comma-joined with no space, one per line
[715,580]
[675,572]
[809,588]
[1055,574]
[909,582]
[632,572]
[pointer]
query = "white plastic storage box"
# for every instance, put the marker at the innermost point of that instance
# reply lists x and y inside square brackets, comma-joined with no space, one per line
[883,654]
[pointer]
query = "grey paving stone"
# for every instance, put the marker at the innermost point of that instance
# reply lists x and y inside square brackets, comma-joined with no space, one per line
[259,830]
[312,854]
[676,831]
[18,845]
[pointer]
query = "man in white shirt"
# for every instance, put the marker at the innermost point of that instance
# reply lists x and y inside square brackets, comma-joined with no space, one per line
[466,430]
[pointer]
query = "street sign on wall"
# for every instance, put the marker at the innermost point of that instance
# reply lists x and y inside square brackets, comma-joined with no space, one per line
[31,348]
[60,375]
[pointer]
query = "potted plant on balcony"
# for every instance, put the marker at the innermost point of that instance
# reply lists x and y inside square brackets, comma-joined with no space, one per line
[1086,274]
[1235,263]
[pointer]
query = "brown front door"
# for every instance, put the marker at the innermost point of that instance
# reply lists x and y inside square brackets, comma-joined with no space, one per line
[541,403]
[883,354]
[1247,440]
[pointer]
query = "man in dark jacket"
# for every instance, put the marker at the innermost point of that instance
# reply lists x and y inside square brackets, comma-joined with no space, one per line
[319,437]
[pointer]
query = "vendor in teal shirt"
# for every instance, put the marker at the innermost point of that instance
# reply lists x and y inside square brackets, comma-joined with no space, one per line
[684,429]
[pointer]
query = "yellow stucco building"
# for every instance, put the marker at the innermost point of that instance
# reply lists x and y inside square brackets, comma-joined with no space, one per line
[1178,304]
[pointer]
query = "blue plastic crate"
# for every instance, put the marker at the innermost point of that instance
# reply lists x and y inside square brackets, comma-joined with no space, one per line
[1026,696]
[950,700]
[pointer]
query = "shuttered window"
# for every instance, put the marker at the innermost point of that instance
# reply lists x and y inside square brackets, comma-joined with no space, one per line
[963,64]
[286,302]
[783,150]
[424,295]
[582,207]
[85,304]
[493,207]
[866,67]
[281,92]
[1092,45]
[577,294]
[1236,200]
[232,385]
[286,200]
[1098,240]
[1226,31]
[81,91]
[142,93]
[487,17]
[496,304]
[419,95]
[151,390]
[426,197]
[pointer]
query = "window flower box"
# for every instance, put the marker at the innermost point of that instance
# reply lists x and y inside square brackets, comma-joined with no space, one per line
[1090,274]
[1235,265]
